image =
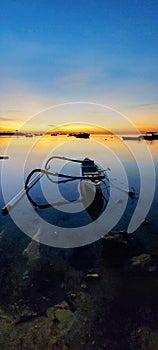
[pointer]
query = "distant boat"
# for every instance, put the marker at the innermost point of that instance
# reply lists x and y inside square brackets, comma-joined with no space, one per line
[54,134]
[6,133]
[29,135]
[38,134]
[133,138]
[10,133]
[93,193]
[19,133]
[150,135]
[81,135]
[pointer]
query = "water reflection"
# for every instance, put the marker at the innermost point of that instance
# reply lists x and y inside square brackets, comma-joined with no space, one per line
[28,153]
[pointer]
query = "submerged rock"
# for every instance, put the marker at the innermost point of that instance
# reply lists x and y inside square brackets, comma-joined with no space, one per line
[83,285]
[115,247]
[144,338]
[32,252]
[143,261]
[5,316]
[116,238]
[62,316]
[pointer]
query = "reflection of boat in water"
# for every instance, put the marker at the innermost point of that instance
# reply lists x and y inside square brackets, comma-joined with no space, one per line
[93,194]
[91,191]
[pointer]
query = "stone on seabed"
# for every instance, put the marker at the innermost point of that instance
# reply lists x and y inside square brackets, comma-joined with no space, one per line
[32,253]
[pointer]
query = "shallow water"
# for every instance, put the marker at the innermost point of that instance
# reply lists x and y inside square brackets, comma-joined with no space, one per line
[119,307]
[122,161]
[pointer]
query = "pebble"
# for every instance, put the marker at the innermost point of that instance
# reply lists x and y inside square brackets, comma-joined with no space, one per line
[94,275]
[63,306]
[73,295]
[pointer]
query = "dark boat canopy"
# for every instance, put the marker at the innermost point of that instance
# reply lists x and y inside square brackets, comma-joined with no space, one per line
[88,166]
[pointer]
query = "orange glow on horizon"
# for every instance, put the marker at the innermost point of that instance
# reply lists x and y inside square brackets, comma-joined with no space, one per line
[80,127]
[12,126]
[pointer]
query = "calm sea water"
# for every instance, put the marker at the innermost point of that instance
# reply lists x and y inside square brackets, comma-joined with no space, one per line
[129,167]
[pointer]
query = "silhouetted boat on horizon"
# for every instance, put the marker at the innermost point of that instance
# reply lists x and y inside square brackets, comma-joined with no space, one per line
[150,135]
[6,133]
[133,138]
[80,135]
[11,133]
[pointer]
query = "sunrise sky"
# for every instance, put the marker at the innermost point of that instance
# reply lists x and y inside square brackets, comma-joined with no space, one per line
[87,50]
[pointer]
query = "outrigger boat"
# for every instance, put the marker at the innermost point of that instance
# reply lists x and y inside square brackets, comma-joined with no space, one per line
[91,178]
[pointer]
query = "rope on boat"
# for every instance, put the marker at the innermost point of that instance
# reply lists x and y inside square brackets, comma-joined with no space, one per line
[131,194]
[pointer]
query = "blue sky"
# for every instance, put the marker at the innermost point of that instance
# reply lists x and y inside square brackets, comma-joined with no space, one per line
[56,51]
